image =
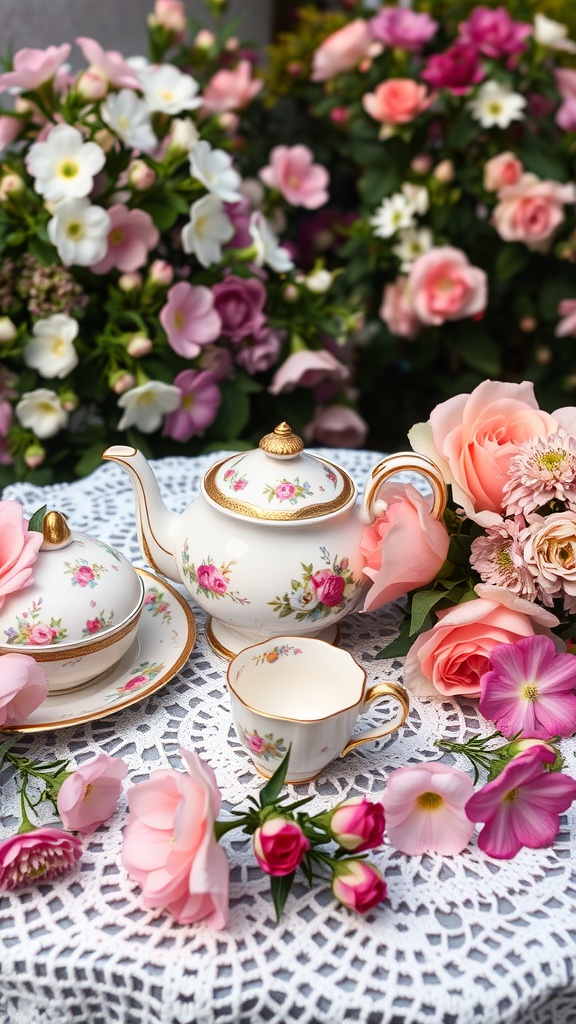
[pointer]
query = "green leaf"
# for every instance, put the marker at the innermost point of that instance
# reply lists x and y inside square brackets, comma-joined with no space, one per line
[90,460]
[271,791]
[481,352]
[280,886]
[234,412]
[422,603]
[399,647]
[510,261]
[36,519]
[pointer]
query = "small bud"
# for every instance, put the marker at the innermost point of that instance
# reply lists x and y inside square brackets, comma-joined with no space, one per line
[228,120]
[140,175]
[232,44]
[68,400]
[11,185]
[204,39]
[294,68]
[92,85]
[183,135]
[528,324]
[544,355]
[161,273]
[444,171]
[319,281]
[339,115]
[291,293]
[421,164]
[138,346]
[34,456]
[8,329]
[121,381]
[131,281]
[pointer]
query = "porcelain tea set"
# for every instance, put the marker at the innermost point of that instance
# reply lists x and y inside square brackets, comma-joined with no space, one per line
[270,550]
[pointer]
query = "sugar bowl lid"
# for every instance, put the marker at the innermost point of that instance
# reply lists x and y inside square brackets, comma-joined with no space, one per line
[80,588]
[279,482]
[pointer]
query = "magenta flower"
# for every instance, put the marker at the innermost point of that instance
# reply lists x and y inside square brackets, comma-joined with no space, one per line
[357,824]
[358,885]
[31,68]
[425,809]
[329,587]
[190,319]
[279,846]
[89,795]
[239,303]
[521,806]
[131,236]
[37,856]
[530,689]
[398,26]
[457,69]
[292,172]
[201,398]
[493,32]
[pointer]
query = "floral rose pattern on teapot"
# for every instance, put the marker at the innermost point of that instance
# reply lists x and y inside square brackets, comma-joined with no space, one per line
[83,574]
[235,481]
[266,747]
[32,631]
[318,592]
[97,623]
[288,490]
[211,580]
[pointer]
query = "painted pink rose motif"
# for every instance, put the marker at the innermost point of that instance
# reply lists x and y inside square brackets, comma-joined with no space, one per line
[211,578]
[329,587]
[285,490]
[133,683]
[83,575]
[41,634]
[255,743]
[93,625]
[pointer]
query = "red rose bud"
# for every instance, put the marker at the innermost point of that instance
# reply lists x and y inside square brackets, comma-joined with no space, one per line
[358,885]
[357,824]
[279,846]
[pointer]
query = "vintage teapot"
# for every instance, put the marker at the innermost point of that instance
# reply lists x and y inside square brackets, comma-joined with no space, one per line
[271,546]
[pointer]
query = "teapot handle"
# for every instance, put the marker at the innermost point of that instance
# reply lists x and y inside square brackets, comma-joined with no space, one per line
[402,462]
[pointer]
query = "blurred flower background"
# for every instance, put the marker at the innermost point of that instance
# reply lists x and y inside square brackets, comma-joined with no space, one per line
[374,215]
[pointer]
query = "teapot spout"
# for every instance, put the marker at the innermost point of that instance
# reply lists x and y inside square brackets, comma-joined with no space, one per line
[157,525]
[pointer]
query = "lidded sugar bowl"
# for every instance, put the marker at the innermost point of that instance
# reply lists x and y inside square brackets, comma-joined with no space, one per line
[80,613]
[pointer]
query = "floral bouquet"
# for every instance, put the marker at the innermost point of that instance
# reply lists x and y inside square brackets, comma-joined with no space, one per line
[145,293]
[449,132]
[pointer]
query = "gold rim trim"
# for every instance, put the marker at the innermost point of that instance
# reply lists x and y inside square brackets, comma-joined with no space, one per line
[282,441]
[226,653]
[79,649]
[154,687]
[245,509]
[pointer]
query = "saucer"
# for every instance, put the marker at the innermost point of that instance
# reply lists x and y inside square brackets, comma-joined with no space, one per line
[165,638]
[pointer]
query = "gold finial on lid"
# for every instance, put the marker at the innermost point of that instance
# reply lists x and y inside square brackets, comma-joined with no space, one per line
[55,529]
[282,441]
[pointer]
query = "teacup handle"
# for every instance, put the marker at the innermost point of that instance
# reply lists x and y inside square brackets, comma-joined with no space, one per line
[375,693]
[403,462]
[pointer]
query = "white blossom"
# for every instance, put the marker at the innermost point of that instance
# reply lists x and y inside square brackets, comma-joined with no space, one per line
[183,134]
[128,116]
[64,164]
[42,412]
[168,90]
[394,213]
[213,167]
[146,405]
[417,197]
[79,231]
[51,351]
[552,34]
[207,230]
[269,252]
[412,243]
[495,105]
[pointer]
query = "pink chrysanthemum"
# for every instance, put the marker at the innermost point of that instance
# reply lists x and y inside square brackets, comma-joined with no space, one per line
[498,559]
[530,689]
[37,856]
[543,469]
[521,806]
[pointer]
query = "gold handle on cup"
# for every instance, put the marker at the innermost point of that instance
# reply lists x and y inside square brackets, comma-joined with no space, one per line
[376,692]
[403,462]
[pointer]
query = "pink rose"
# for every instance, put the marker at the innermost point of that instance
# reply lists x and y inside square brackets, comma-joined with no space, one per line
[531,210]
[18,549]
[93,625]
[502,170]
[239,302]
[457,69]
[134,683]
[279,846]
[397,311]
[358,824]
[358,885]
[342,51]
[451,657]
[328,587]
[255,743]
[566,85]
[403,28]
[444,286]
[89,795]
[404,548]
[41,634]
[472,438]
[210,578]
[259,352]
[23,687]
[169,846]
[307,369]
[37,856]
[396,101]
[337,426]
[284,491]
[83,575]
[230,89]
[291,170]
[493,32]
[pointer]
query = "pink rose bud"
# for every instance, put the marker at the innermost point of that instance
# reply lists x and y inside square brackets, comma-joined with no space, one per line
[228,120]
[444,172]
[279,846]
[358,824]
[161,273]
[140,175]
[339,115]
[131,281]
[358,885]
[34,456]
[138,346]
[421,164]
[92,85]
[10,185]
[121,382]
[204,39]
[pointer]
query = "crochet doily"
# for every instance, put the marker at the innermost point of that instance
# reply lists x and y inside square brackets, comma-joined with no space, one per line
[461,940]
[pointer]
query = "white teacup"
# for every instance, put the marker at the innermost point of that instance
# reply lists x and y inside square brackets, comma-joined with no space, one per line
[305,694]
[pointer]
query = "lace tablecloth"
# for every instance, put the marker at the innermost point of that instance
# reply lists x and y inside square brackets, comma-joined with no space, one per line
[461,940]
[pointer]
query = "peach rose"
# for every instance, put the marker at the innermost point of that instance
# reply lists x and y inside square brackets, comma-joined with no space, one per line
[342,50]
[444,286]
[396,101]
[473,437]
[504,169]
[404,548]
[396,310]
[450,658]
[531,210]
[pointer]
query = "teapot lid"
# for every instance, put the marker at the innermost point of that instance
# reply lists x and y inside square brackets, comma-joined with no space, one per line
[279,482]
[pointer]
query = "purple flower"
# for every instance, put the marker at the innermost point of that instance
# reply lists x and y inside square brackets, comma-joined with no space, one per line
[259,352]
[398,26]
[457,69]
[239,216]
[198,407]
[493,32]
[240,304]
[530,688]
[521,806]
